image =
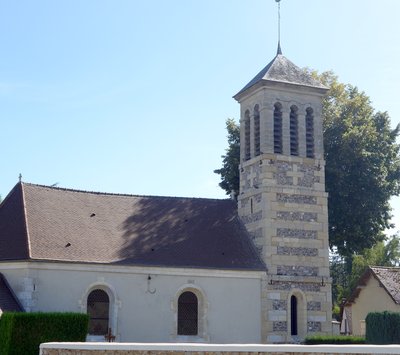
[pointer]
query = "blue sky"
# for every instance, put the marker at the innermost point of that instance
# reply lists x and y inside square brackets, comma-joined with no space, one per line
[132,96]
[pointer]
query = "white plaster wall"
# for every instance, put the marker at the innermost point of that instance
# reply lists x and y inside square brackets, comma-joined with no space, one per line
[232,299]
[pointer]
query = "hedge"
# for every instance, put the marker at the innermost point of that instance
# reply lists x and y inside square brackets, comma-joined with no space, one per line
[22,333]
[333,339]
[383,328]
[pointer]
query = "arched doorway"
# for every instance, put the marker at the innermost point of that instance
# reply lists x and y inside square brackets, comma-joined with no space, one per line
[296,315]
[293,316]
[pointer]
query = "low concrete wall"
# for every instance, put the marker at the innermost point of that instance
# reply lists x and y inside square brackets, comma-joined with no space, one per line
[210,349]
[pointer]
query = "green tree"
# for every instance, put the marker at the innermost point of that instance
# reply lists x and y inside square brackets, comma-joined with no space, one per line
[343,280]
[230,161]
[362,167]
[382,254]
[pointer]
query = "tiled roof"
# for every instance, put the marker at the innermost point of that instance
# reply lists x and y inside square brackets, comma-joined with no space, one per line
[8,301]
[281,69]
[388,277]
[80,226]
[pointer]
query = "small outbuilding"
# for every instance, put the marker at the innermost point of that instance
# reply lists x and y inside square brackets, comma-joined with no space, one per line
[377,290]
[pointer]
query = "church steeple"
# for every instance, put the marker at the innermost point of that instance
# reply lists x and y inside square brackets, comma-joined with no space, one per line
[282,199]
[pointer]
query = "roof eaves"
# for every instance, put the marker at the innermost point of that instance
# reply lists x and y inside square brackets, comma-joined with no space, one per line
[377,277]
[361,282]
[161,265]
[264,76]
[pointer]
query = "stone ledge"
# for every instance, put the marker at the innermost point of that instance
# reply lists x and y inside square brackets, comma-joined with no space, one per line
[160,348]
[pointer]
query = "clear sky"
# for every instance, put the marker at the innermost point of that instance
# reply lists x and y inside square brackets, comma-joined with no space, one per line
[132,96]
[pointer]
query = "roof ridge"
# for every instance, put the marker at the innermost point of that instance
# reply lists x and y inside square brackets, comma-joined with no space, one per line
[28,239]
[121,194]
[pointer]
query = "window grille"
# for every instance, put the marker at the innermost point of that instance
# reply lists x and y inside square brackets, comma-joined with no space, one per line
[309,133]
[247,135]
[278,128]
[98,305]
[294,131]
[256,130]
[187,314]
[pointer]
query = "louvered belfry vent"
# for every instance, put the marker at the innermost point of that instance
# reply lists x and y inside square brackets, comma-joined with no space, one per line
[310,133]
[256,130]
[247,135]
[294,131]
[278,128]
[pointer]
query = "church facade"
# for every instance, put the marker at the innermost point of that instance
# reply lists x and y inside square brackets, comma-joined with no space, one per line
[164,269]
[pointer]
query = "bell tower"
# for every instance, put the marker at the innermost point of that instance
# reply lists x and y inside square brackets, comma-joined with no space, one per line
[282,199]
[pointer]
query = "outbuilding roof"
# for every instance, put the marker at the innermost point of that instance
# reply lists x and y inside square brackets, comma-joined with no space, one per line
[55,224]
[388,277]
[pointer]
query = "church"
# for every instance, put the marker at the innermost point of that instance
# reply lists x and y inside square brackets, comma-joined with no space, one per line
[169,269]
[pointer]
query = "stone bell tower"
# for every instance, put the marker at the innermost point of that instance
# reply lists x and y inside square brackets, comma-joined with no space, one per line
[282,199]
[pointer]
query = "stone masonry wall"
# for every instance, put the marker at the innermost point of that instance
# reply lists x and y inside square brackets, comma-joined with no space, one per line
[284,209]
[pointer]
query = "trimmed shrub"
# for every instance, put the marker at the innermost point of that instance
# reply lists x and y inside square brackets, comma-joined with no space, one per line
[22,333]
[382,328]
[333,339]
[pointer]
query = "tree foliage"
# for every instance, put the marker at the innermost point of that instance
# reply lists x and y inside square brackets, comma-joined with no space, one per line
[362,167]
[382,254]
[230,161]
[346,273]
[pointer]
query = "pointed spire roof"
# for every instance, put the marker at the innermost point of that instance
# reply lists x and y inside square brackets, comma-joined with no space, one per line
[282,70]
[279,50]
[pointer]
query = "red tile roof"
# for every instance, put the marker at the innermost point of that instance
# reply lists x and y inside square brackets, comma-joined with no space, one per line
[79,226]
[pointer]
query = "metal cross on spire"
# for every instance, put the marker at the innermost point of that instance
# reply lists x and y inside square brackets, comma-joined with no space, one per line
[279,51]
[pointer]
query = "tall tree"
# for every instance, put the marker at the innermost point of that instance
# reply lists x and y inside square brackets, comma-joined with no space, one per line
[230,161]
[381,254]
[362,167]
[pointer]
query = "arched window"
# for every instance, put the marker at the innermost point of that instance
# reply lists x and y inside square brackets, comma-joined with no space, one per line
[278,128]
[310,133]
[188,314]
[98,309]
[247,135]
[294,131]
[256,130]
[294,316]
